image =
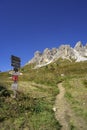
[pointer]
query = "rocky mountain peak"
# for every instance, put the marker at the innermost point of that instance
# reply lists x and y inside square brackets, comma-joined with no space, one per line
[78,53]
[37,53]
[78,45]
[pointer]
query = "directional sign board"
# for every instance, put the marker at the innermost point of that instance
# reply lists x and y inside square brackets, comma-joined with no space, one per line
[15,61]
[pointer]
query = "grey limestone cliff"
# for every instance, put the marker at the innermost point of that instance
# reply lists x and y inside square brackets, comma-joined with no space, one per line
[78,53]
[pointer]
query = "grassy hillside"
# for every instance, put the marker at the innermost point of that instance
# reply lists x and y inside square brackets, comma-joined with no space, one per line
[36,95]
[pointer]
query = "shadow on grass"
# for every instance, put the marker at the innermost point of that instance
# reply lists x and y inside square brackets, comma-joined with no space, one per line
[4,92]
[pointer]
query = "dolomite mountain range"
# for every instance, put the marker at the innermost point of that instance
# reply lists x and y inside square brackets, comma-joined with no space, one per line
[78,53]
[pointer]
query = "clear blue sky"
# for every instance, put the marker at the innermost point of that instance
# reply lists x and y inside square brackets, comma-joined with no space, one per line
[30,25]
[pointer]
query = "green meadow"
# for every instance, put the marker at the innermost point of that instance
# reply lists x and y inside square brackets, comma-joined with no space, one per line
[37,91]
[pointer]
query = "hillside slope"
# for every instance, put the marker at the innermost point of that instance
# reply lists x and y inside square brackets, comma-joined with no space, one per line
[33,108]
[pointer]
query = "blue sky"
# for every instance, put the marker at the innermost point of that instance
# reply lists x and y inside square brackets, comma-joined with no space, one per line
[30,25]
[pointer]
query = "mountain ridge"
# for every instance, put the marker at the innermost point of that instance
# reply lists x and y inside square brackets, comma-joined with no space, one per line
[77,53]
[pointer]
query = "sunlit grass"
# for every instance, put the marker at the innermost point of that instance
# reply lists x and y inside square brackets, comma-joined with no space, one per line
[37,90]
[76,94]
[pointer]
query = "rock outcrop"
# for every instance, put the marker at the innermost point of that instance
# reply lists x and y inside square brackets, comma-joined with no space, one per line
[78,53]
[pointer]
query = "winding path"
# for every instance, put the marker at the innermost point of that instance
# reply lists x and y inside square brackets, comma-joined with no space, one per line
[65,115]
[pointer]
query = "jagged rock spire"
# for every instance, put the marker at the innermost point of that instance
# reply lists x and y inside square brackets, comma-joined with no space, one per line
[78,53]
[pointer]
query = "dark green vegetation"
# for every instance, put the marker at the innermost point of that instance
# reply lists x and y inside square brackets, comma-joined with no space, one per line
[32,110]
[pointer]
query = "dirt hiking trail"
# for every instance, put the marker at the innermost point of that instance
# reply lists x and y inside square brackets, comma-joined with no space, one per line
[65,115]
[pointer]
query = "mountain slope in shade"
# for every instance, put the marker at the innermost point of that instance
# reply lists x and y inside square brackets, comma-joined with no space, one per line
[78,53]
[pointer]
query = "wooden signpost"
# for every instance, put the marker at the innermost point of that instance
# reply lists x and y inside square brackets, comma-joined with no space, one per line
[15,61]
